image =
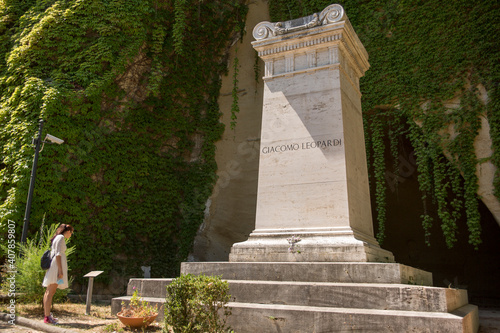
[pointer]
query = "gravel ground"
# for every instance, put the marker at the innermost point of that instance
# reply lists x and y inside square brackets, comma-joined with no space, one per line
[72,317]
[8,328]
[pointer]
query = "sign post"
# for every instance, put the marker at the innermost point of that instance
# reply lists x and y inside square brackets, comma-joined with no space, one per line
[91,277]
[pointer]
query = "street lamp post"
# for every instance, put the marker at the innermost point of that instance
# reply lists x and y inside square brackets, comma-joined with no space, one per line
[48,139]
[37,142]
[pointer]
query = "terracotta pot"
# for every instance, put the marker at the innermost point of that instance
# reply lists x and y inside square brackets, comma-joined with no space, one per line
[136,322]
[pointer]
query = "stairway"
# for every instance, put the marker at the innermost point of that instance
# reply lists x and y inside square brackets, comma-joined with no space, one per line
[328,297]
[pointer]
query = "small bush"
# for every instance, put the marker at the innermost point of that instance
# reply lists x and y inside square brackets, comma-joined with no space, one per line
[29,276]
[197,303]
[138,307]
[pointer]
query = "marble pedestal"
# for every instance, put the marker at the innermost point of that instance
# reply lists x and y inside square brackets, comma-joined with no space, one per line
[313,201]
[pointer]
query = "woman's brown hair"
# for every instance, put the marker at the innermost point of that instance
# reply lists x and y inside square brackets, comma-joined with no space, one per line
[61,229]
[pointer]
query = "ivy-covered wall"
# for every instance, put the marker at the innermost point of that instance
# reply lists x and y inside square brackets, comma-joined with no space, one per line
[423,54]
[132,88]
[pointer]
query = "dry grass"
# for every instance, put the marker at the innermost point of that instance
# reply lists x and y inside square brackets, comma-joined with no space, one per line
[72,316]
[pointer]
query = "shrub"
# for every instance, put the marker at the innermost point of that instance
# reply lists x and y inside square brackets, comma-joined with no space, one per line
[29,276]
[138,307]
[197,303]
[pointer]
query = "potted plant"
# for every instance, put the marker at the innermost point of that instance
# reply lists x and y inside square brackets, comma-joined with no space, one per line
[138,313]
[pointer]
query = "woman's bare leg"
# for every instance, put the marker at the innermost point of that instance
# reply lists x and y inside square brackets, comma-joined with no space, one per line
[47,298]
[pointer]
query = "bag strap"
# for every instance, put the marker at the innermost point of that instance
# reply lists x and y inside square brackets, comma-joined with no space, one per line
[50,249]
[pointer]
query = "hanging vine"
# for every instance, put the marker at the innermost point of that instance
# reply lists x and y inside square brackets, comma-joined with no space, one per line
[234,92]
[378,148]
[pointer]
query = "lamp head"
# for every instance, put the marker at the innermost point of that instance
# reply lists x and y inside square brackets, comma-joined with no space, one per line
[53,139]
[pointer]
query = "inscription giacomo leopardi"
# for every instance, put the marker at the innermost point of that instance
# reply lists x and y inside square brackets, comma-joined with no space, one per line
[321,144]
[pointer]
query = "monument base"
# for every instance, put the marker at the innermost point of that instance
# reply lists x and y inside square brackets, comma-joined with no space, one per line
[309,297]
[338,297]
[311,246]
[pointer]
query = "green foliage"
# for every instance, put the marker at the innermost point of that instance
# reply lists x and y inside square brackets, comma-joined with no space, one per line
[379,167]
[423,54]
[29,277]
[132,88]
[114,327]
[180,8]
[234,93]
[197,303]
[138,307]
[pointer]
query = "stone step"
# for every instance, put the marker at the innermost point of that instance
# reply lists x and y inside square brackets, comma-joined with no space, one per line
[312,272]
[266,318]
[347,295]
[149,287]
[297,318]
[327,297]
[295,306]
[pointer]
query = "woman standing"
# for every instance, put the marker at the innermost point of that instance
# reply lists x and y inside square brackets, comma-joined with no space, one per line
[57,275]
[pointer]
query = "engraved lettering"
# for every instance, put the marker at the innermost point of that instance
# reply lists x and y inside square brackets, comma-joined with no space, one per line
[322,144]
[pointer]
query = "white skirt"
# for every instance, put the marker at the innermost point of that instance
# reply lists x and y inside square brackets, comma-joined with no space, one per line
[58,249]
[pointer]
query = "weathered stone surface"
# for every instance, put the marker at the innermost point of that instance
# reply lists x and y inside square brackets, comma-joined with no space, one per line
[264,318]
[331,301]
[330,14]
[309,249]
[349,295]
[311,272]
[152,287]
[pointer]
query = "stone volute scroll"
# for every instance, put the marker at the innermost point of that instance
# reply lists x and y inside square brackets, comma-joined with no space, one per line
[330,14]
[263,30]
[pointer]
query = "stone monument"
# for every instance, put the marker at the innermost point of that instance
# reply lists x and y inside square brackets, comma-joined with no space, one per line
[312,263]
[313,201]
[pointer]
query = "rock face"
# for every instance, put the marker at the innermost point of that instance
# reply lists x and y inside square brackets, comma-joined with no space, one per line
[230,213]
